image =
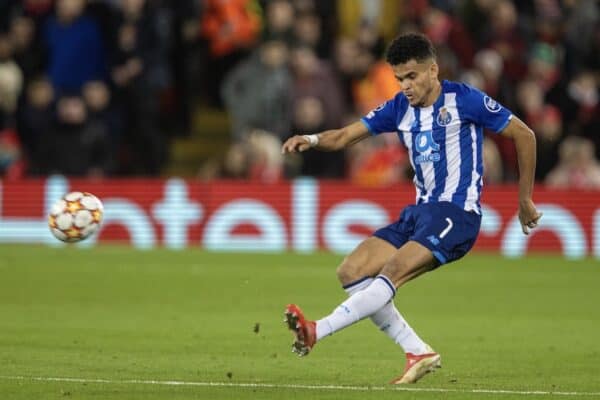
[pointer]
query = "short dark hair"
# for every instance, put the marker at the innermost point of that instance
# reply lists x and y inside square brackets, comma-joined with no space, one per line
[408,47]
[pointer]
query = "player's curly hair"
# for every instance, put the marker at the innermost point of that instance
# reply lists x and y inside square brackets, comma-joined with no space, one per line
[408,47]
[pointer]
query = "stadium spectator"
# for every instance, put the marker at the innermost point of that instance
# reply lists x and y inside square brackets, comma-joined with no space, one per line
[309,117]
[490,64]
[373,83]
[28,52]
[72,146]
[506,37]
[35,115]
[257,91]
[11,80]
[315,78]
[346,51]
[101,110]
[139,71]
[231,30]
[545,120]
[265,158]
[279,20]
[75,47]
[443,29]
[380,162]
[579,101]
[544,65]
[256,157]
[307,30]
[493,169]
[578,168]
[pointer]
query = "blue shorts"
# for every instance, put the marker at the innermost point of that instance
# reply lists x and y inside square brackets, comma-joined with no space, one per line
[444,228]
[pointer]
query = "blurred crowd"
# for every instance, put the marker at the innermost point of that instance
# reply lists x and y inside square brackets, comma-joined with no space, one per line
[99,88]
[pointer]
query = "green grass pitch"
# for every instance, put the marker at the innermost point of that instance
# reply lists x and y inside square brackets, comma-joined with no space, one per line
[115,323]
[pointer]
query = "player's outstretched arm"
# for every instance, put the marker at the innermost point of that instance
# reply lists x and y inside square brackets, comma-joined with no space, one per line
[524,139]
[332,140]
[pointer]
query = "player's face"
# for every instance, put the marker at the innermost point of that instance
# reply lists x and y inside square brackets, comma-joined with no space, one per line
[418,81]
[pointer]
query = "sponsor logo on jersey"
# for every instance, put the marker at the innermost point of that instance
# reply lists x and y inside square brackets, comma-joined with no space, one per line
[491,104]
[424,142]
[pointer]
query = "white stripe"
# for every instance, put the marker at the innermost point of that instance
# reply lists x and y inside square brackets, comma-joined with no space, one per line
[453,159]
[294,386]
[407,120]
[404,127]
[472,194]
[428,169]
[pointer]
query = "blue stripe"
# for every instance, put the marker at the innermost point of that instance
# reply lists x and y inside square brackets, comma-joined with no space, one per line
[466,159]
[440,167]
[402,104]
[348,286]
[414,130]
[389,283]
[401,137]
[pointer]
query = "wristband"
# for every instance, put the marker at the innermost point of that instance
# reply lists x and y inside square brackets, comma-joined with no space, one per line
[313,140]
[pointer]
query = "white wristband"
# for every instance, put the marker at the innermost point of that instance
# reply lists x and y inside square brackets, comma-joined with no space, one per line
[313,140]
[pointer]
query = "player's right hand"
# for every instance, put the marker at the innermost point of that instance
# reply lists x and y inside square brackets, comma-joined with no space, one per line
[295,144]
[528,215]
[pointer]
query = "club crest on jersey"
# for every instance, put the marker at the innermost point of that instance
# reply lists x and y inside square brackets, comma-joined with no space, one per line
[491,104]
[444,117]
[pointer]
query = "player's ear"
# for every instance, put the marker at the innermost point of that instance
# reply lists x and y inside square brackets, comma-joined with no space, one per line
[434,69]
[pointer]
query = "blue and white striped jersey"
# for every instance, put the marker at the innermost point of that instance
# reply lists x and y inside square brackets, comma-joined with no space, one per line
[444,140]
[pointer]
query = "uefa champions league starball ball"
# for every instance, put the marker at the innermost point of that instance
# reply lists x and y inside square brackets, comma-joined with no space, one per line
[76,216]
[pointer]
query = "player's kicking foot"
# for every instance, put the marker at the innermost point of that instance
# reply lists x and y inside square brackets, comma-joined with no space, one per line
[305,331]
[417,366]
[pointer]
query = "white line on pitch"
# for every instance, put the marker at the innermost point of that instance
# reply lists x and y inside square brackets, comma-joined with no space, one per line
[293,386]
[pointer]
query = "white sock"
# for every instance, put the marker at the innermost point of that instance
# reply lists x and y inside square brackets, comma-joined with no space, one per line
[358,285]
[389,320]
[361,304]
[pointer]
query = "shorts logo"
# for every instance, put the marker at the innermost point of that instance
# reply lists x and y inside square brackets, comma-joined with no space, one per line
[444,117]
[435,241]
[491,104]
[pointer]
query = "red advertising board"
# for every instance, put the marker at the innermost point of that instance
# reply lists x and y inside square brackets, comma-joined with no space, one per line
[302,215]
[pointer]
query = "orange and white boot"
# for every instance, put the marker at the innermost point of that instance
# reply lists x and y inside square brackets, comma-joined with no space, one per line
[305,331]
[417,366]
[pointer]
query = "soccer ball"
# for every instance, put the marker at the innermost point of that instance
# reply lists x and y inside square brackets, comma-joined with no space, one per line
[75,216]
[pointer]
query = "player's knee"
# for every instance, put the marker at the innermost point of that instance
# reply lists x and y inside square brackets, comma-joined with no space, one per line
[348,271]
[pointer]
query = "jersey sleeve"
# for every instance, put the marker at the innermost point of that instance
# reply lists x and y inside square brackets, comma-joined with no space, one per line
[382,119]
[485,111]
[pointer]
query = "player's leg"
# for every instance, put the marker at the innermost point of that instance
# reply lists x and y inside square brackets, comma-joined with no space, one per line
[366,260]
[446,232]
[356,273]
[408,262]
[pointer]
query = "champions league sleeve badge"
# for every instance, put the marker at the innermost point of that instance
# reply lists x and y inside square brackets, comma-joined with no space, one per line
[491,104]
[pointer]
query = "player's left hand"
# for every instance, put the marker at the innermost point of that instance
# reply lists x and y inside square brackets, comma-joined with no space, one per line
[528,215]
